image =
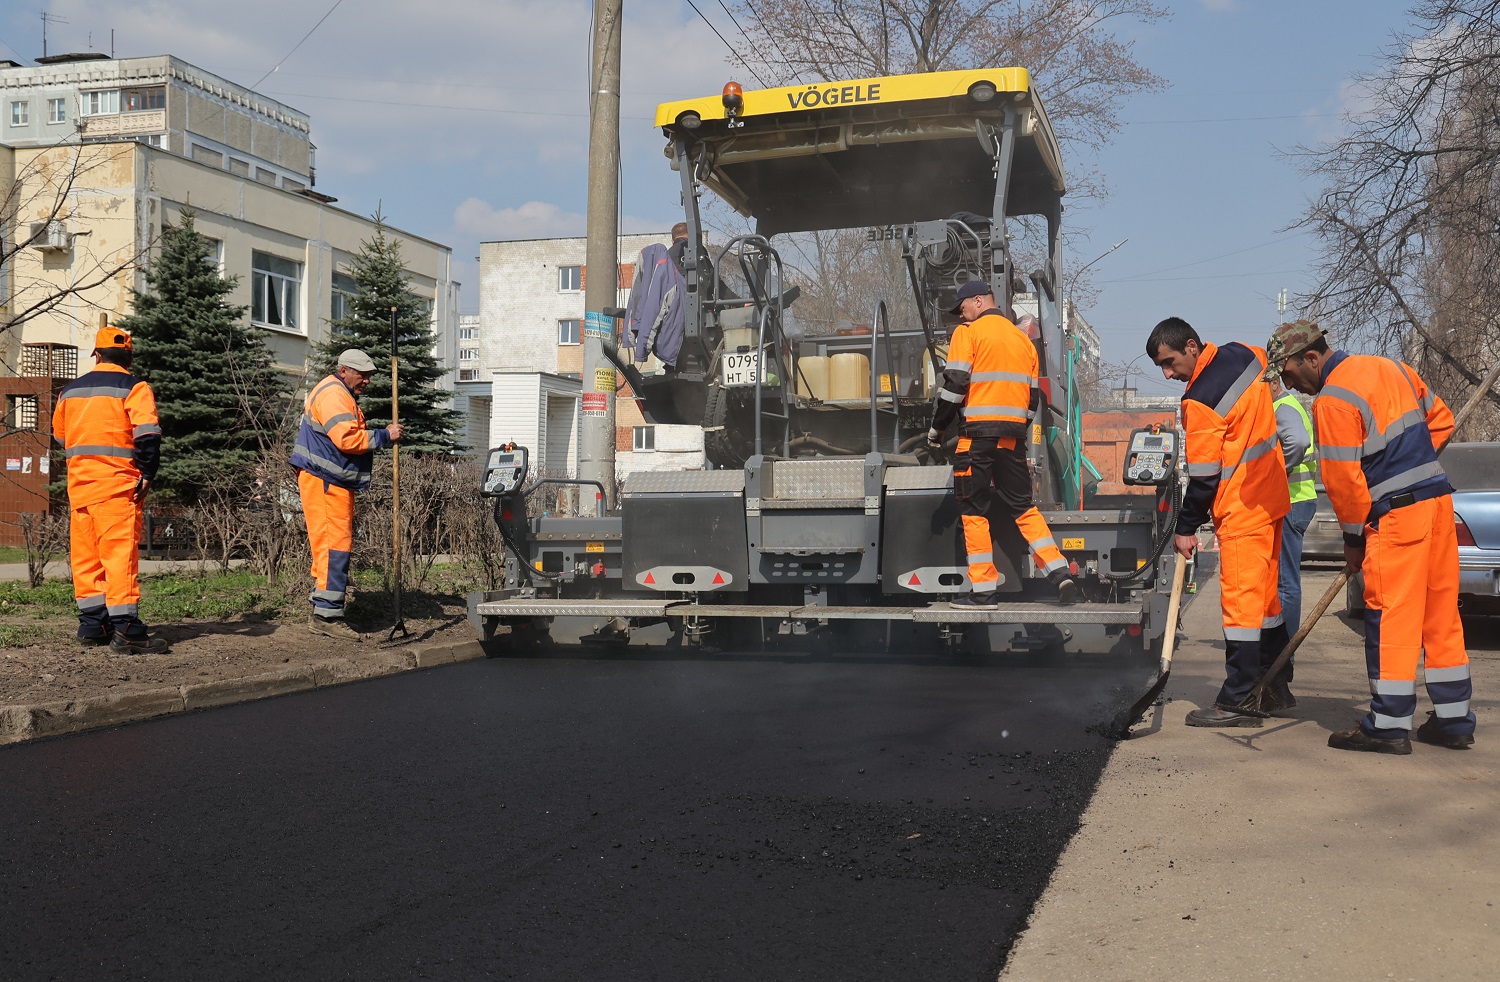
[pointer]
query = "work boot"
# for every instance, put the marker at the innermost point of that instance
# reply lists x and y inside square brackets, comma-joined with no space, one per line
[1067,590]
[1358,739]
[122,645]
[1429,732]
[333,627]
[93,640]
[1218,716]
[988,600]
[1277,698]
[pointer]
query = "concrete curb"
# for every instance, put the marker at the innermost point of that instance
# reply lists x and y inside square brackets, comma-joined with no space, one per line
[23,723]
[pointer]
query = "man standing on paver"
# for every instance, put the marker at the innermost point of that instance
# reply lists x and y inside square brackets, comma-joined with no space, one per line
[1380,429]
[1235,475]
[333,458]
[106,422]
[1299,451]
[992,373]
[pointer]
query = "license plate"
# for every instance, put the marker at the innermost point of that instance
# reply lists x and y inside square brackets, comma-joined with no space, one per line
[739,368]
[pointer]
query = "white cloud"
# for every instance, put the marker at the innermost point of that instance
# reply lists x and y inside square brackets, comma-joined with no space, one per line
[478,219]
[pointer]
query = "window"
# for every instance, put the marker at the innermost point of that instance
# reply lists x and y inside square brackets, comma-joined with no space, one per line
[468,334]
[468,375]
[21,414]
[265,176]
[57,110]
[20,113]
[645,439]
[141,100]
[569,279]
[344,291]
[105,102]
[275,287]
[239,167]
[468,354]
[567,331]
[215,252]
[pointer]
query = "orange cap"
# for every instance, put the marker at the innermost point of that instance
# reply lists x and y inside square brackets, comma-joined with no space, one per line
[112,337]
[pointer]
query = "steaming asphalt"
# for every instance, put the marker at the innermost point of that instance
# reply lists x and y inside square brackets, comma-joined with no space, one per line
[567,815]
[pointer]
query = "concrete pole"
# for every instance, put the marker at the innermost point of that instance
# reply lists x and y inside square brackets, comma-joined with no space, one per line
[597,429]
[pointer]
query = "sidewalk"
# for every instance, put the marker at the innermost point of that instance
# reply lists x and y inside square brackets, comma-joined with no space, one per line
[58,569]
[1246,854]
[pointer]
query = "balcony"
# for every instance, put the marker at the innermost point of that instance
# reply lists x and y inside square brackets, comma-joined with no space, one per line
[125,124]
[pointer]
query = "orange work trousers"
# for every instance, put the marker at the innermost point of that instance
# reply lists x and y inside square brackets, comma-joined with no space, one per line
[329,510]
[104,550]
[1411,607]
[1254,633]
[992,483]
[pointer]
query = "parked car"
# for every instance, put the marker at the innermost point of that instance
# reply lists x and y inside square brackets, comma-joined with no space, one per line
[1324,541]
[1474,471]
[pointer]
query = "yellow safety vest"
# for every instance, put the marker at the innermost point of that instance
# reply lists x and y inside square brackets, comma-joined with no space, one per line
[1302,479]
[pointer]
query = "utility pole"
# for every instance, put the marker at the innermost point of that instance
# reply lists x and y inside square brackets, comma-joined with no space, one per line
[601,289]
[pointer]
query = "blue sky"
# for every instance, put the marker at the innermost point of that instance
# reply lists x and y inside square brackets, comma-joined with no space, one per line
[466,121]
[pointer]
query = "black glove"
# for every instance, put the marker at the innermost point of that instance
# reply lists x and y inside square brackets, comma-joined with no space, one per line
[934,440]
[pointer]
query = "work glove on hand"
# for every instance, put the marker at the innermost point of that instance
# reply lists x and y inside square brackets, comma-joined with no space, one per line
[934,440]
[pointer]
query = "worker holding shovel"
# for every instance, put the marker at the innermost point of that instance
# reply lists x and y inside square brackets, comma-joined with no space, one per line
[1380,429]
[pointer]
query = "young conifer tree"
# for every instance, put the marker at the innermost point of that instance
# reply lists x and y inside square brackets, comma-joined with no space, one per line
[382,284]
[218,393]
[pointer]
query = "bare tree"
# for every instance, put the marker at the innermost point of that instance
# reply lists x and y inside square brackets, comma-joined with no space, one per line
[1408,214]
[45,538]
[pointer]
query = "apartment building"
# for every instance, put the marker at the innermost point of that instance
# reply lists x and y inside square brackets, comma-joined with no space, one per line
[528,359]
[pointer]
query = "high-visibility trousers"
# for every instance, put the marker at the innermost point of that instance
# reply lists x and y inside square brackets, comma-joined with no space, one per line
[1411,607]
[329,510]
[992,483]
[104,551]
[1254,632]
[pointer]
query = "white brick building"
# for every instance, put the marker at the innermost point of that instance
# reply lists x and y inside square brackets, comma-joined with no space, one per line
[529,348]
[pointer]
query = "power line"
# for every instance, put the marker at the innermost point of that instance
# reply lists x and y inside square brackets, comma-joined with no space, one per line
[433,105]
[721,37]
[299,43]
[796,75]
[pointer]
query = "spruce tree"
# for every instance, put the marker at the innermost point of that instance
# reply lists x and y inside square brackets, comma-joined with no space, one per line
[218,392]
[382,284]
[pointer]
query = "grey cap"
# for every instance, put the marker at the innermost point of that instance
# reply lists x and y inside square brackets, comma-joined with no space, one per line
[357,360]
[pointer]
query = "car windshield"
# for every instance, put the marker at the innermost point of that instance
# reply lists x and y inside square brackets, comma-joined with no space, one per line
[1473,466]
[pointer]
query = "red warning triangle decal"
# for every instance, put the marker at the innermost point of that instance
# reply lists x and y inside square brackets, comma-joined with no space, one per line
[914,581]
[651,580]
[718,579]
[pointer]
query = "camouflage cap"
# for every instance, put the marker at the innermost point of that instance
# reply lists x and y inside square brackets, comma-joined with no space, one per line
[1286,341]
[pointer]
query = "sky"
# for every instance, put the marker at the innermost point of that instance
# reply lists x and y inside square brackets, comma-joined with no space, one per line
[466,121]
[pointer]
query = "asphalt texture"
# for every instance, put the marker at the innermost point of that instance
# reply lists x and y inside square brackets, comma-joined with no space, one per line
[570,814]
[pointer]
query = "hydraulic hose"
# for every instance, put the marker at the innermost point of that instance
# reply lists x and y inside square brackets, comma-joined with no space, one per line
[1157,547]
[515,550]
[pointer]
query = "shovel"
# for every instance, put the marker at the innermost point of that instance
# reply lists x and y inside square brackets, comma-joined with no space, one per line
[399,634]
[1122,724]
[1253,702]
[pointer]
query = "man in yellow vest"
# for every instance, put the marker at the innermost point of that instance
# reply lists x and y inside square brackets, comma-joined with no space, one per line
[1299,448]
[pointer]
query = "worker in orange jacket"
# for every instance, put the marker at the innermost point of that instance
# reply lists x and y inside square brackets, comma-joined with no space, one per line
[107,425]
[1236,476]
[333,458]
[992,374]
[1380,429]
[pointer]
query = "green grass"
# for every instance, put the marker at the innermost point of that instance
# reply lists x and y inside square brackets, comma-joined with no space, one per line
[12,554]
[165,597]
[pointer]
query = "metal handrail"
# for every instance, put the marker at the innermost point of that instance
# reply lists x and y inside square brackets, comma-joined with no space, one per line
[599,507]
[883,326]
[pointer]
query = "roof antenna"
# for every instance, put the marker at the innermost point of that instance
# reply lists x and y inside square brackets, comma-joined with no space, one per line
[49,19]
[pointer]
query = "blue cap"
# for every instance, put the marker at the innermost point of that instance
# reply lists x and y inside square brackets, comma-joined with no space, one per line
[972,288]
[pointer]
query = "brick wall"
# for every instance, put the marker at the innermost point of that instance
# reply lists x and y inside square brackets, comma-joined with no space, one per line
[22,453]
[1106,435]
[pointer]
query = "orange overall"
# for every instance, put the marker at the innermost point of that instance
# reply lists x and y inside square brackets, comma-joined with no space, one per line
[1236,475]
[106,422]
[333,459]
[992,373]
[1380,428]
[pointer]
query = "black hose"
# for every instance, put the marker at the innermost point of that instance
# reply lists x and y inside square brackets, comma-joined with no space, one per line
[515,550]
[1167,531]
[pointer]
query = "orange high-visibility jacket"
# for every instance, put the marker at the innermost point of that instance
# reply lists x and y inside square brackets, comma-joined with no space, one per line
[1233,453]
[1379,430]
[992,373]
[106,422]
[332,442]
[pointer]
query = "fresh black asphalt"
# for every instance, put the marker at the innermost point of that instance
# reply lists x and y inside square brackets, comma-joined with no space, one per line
[574,814]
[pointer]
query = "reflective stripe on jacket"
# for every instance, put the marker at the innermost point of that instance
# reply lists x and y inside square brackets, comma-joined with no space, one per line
[1380,427]
[1299,447]
[1233,453]
[106,422]
[992,374]
[332,441]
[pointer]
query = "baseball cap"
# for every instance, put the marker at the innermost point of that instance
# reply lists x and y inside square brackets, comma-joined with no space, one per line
[357,360]
[112,337]
[1286,341]
[972,288]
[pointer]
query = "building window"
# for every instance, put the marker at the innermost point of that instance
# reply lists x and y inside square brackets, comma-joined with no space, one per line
[215,252]
[275,286]
[141,100]
[21,413]
[645,439]
[239,167]
[569,279]
[468,334]
[344,291]
[468,375]
[265,176]
[105,102]
[568,331]
[468,354]
[57,110]
[20,113]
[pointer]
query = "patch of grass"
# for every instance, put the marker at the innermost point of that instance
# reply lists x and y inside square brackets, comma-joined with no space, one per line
[52,596]
[211,596]
[12,554]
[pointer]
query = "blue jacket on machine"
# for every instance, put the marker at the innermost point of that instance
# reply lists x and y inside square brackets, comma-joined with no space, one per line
[656,314]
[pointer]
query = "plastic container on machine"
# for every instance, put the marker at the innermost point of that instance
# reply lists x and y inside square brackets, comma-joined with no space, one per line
[849,376]
[812,377]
